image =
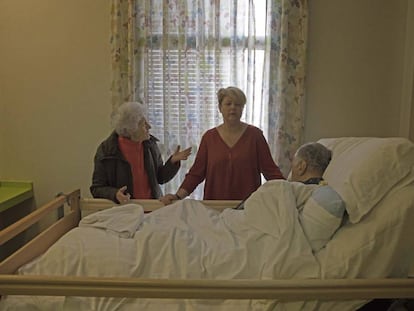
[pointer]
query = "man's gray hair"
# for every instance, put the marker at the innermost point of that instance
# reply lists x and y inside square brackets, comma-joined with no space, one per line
[316,155]
[126,118]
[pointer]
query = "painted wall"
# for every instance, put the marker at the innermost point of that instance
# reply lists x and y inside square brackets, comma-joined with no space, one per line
[55,82]
[54,91]
[355,67]
[412,112]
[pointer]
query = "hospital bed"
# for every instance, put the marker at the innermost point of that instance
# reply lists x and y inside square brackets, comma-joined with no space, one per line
[253,264]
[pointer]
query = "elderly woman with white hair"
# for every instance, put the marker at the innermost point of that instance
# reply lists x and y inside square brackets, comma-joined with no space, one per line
[128,164]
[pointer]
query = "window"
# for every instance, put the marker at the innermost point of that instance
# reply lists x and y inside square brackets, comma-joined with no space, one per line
[194,75]
[193,48]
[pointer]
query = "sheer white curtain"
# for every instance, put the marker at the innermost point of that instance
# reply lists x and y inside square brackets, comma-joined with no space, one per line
[175,55]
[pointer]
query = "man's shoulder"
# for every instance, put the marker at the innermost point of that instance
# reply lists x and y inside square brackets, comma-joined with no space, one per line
[329,199]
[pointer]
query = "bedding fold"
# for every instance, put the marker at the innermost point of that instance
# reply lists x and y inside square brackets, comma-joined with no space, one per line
[122,221]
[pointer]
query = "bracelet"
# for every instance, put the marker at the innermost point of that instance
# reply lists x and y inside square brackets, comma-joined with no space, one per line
[178,197]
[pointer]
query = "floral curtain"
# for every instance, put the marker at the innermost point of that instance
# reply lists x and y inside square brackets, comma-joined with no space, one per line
[285,82]
[174,56]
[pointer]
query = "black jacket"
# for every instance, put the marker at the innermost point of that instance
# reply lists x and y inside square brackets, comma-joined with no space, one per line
[112,170]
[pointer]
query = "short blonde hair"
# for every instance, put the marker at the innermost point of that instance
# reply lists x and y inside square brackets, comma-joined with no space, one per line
[127,117]
[233,92]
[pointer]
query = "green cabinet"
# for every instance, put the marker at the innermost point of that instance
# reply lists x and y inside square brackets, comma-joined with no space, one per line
[14,204]
[14,192]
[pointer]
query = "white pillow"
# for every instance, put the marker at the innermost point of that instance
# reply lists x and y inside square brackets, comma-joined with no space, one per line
[364,169]
[321,216]
[379,246]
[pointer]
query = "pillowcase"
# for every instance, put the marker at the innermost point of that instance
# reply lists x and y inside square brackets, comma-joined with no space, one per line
[321,216]
[364,169]
[379,246]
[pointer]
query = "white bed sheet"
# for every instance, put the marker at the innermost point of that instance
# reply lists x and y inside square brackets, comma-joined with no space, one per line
[186,240]
[264,241]
[379,246]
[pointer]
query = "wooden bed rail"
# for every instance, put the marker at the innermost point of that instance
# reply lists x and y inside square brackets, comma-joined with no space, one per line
[43,240]
[283,290]
[89,205]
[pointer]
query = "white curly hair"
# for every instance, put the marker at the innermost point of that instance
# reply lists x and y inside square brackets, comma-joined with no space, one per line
[126,118]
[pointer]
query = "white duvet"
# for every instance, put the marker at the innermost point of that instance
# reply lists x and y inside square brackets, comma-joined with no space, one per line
[181,241]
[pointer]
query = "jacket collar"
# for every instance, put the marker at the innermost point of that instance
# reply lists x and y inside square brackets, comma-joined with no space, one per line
[111,147]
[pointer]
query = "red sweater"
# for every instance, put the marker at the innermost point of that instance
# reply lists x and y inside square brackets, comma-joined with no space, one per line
[231,173]
[134,154]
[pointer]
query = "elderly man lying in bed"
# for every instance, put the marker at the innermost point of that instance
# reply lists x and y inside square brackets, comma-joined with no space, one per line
[308,165]
[321,209]
[322,213]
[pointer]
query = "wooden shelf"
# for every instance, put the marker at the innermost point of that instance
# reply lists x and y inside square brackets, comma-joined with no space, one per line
[14,192]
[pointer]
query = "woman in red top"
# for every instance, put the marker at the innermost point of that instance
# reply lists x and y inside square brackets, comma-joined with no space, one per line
[231,157]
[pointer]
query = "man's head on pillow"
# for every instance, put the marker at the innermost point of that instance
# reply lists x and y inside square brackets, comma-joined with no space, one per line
[309,162]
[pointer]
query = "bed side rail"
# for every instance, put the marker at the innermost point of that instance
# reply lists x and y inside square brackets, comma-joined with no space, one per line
[283,290]
[44,239]
[89,205]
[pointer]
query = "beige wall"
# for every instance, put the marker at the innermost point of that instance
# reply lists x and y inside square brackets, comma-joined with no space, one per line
[412,113]
[55,82]
[54,88]
[355,67]
[2,118]
[409,73]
